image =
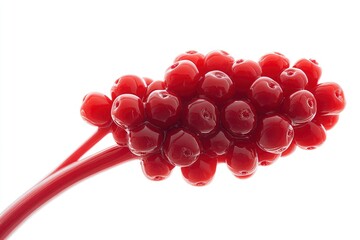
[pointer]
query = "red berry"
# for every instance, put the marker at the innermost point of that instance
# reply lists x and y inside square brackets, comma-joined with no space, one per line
[129,84]
[120,135]
[328,121]
[162,108]
[218,60]
[216,145]
[193,56]
[156,167]
[148,81]
[200,172]
[266,94]
[243,159]
[181,78]
[275,134]
[202,116]
[330,98]
[292,80]
[96,108]
[289,150]
[145,139]
[128,111]
[312,70]
[273,64]
[239,118]
[310,136]
[244,73]
[181,147]
[301,107]
[266,158]
[217,86]
[155,85]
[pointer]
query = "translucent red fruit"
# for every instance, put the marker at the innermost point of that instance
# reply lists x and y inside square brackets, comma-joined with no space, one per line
[328,121]
[120,135]
[301,107]
[292,80]
[273,64]
[96,109]
[289,150]
[244,73]
[216,145]
[310,136]
[156,167]
[330,98]
[275,134]
[129,84]
[155,85]
[266,158]
[145,139]
[218,60]
[200,172]
[193,56]
[243,159]
[181,147]
[162,108]
[181,78]
[312,70]
[217,86]
[128,111]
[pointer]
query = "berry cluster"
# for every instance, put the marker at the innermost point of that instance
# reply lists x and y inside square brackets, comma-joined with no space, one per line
[211,108]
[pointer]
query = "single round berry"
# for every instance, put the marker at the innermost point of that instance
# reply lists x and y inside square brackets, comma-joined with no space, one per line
[128,111]
[120,135]
[148,81]
[129,84]
[96,109]
[266,158]
[218,60]
[310,136]
[312,70]
[328,121]
[301,107]
[216,145]
[239,118]
[244,74]
[193,56]
[155,85]
[273,64]
[201,116]
[275,134]
[243,159]
[266,94]
[289,150]
[145,139]
[200,172]
[156,167]
[330,98]
[181,78]
[217,86]
[162,108]
[181,147]
[292,80]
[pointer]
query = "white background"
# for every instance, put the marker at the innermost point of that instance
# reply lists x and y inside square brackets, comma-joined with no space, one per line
[54,52]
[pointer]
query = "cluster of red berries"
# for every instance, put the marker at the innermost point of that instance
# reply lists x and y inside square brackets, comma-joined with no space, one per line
[211,108]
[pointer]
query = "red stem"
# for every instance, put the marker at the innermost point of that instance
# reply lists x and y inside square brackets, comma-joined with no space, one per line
[56,183]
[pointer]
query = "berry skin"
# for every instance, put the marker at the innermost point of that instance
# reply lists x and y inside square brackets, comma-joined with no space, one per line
[128,111]
[202,116]
[330,98]
[275,134]
[266,158]
[243,159]
[218,60]
[120,135]
[145,139]
[289,150]
[310,136]
[239,118]
[301,107]
[162,108]
[273,64]
[328,121]
[292,80]
[182,78]
[266,94]
[181,147]
[156,167]
[244,74]
[193,56]
[312,70]
[155,85]
[148,81]
[217,86]
[200,172]
[96,109]
[216,145]
[129,84]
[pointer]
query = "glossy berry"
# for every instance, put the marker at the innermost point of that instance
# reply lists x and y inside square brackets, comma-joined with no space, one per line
[128,111]
[266,94]
[243,159]
[181,78]
[129,84]
[120,135]
[289,150]
[200,172]
[202,116]
[148,81]
[273,64]
[330,98]
[328,121]
[266,158]
[96,109]
[244,73]
[292,80]
[145,139]
[181,147]
[162,108]
[239,118]
[275,134]
[218,60]
[156,167]
[310,136]
[301,107]
[193,56]
[217,144]
[312,70]
[155,85]
[217,86]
